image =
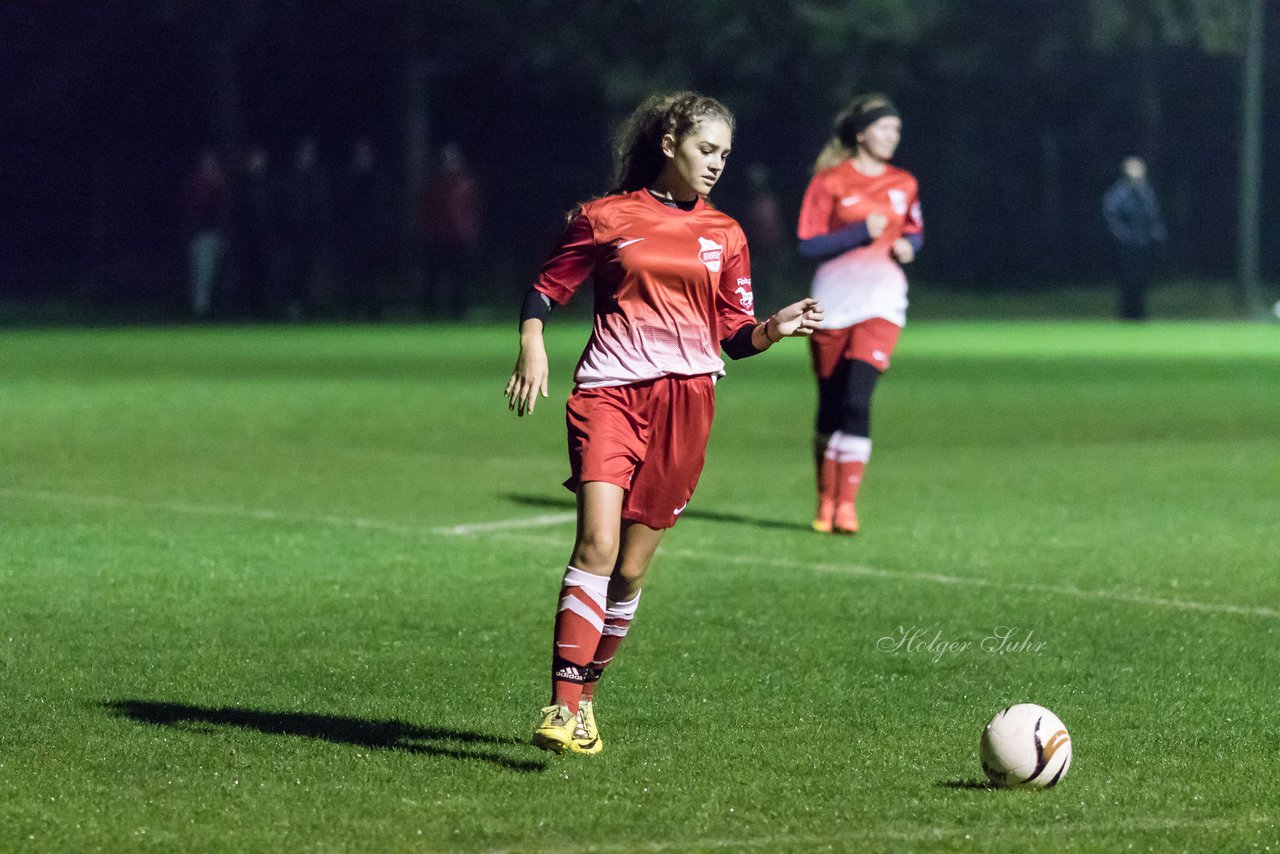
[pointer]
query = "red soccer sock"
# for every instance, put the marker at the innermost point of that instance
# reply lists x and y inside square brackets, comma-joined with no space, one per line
[848,480]
[617,620]
[579,621]
[828,480]
[852,454]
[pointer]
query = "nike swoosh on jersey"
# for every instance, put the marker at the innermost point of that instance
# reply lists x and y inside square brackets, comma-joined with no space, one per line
[623,243]
[850,200]
[680,509]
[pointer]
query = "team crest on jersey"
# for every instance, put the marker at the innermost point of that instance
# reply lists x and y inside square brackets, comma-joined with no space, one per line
[710,253]
[898,199]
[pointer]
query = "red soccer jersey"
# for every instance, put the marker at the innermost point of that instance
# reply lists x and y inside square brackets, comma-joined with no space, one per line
[670,285]
[865,281]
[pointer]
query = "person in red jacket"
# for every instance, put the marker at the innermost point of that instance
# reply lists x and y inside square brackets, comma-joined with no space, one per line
[861,218]
[207,202]
[672,281]
[451,212]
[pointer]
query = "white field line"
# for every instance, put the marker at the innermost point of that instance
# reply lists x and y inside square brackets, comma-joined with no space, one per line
[512,528]
[1136,597]
[849,841]
[508,524]
[1132,596]
[329,521]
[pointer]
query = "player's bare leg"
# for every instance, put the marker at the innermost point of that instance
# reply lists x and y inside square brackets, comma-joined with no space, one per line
[599,537]
[639,543]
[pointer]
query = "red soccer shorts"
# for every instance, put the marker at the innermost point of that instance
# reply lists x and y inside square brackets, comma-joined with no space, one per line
[871,341]
[649,438]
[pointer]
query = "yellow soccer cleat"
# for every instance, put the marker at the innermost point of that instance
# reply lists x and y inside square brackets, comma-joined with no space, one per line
[555,733]
[846,521]
[586,737]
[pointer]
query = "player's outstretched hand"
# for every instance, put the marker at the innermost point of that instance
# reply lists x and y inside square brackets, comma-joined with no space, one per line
[528,379]
[799,318]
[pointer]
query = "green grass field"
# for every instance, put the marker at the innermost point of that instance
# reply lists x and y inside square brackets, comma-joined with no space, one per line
[291,589]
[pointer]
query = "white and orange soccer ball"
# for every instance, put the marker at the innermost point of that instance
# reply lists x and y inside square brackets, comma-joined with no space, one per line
[1026,746]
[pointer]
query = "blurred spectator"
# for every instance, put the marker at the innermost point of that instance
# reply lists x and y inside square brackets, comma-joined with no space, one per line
[306,221]
[451,224]
[363,208]
[255,235]
[1133,217]
[206,202]
[766,234]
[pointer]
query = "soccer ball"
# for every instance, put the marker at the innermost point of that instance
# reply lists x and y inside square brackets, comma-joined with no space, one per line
[1026,746]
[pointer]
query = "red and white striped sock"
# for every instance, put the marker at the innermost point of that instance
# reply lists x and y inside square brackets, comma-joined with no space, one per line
[617,620]
[852,455]
[579,621]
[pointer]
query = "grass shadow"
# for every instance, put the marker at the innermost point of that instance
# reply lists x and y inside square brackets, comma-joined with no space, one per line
[357,732]
[568,503]
[971,783]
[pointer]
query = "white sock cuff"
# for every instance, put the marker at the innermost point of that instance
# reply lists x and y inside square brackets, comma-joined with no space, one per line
[828,442]
[850,448]
[597,586]
[625,610]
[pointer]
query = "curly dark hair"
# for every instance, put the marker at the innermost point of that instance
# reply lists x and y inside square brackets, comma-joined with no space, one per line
[638,144]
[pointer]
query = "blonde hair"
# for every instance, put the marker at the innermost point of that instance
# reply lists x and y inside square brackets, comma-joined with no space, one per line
[638,144]
[832,154]
[849,122]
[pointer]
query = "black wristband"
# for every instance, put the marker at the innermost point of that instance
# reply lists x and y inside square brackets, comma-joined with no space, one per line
[536,306]
[739,345]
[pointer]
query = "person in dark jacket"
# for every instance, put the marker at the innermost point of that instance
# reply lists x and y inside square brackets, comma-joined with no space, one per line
[1137,229]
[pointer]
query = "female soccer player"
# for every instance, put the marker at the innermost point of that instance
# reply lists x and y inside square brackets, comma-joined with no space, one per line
[861,218]
[672,289]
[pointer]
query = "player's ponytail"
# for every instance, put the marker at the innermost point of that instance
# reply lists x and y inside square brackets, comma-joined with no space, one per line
[832,154]
[638,144]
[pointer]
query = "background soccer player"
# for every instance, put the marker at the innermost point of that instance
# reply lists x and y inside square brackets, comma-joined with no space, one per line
[672,289]
[861,217]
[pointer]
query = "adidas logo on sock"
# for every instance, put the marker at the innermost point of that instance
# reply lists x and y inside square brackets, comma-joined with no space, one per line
[567,671]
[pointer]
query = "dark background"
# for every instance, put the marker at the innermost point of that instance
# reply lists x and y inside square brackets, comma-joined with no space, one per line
[1016,114]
